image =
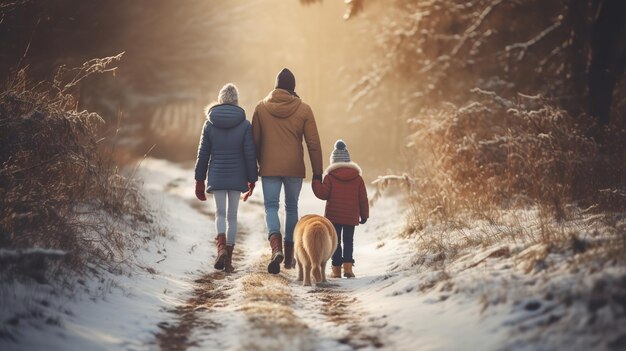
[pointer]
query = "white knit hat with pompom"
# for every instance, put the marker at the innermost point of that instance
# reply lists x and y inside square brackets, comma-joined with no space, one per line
[340,154]
[228,95]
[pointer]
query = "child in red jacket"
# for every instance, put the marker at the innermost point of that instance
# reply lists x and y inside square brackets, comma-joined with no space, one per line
[346,201]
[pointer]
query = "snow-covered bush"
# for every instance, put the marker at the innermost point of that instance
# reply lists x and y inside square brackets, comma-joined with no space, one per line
[495,153]
[59,188]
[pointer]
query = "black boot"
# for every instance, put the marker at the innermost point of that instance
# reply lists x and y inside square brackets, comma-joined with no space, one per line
[289,261]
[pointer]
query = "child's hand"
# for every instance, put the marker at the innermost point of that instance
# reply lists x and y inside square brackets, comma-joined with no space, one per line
[363,220]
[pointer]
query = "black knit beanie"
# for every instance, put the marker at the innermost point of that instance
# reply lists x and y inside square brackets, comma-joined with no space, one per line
[286,80]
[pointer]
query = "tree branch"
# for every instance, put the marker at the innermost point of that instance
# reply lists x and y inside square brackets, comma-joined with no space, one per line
[471,29]
[523,47]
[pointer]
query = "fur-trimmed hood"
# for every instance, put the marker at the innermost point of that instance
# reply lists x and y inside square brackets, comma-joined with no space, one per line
[344,170]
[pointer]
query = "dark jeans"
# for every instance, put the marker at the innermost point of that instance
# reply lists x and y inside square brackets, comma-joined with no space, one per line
[348,244]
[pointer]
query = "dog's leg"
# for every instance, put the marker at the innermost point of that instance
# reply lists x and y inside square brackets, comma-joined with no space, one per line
[307,275]
[299,279]
[317,274]
[324,271]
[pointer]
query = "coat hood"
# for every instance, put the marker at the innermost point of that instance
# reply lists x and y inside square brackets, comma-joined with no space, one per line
[281,103]
[344,170]
[226,116]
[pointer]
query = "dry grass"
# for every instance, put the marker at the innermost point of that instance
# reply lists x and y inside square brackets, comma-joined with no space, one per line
[499,153]
[497,170]
[268,305]
[59,186]
[269,302]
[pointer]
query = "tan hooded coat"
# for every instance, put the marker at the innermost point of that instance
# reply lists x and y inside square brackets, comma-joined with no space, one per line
[279,124]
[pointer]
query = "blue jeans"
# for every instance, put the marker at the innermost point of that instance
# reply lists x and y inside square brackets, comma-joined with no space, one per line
[340,257]
[221,216]
[271,194]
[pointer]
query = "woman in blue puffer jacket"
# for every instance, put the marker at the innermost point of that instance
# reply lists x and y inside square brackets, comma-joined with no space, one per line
[226,150]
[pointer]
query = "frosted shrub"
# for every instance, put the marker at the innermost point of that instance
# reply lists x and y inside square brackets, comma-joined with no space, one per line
[496,153]
[59,189]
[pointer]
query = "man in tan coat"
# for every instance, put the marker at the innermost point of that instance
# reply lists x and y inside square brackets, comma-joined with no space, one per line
[279,124]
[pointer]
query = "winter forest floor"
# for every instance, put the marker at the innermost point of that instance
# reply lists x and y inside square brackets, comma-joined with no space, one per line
[402,299]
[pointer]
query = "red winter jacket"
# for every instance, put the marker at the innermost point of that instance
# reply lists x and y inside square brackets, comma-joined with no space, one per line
[345,192]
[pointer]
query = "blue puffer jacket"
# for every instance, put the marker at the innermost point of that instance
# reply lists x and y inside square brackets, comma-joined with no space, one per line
[226,149]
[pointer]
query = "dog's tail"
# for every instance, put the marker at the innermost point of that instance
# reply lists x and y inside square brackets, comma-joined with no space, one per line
[316,245]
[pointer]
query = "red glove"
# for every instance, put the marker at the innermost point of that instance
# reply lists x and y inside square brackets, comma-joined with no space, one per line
[247,194]
[200,190]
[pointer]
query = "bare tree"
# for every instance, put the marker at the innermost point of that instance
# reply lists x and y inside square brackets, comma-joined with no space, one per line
[571,51]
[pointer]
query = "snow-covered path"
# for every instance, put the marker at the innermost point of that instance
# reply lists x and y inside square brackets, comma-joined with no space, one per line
[274,311]
[251,310]
[175,300]
[402,299]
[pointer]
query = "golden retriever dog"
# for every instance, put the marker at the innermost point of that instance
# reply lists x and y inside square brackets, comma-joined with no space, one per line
[315,241]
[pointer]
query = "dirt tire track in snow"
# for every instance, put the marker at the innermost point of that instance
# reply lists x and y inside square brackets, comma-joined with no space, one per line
[210,291]
[177,336]
[342,309]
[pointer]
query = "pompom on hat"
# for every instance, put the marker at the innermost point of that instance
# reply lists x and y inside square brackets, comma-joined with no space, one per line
[340,153]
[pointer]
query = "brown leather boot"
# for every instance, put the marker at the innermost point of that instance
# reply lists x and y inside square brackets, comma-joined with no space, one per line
[228,264]
[220,242]
[289,261]
[336,272]
[347,270]
[276,243]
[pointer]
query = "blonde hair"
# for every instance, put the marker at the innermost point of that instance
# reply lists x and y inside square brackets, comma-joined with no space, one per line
[228,95]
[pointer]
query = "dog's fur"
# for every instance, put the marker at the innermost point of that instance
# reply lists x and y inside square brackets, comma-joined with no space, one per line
[315,241]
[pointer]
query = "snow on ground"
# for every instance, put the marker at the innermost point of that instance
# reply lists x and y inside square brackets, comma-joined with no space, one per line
[402,298]
[119,312]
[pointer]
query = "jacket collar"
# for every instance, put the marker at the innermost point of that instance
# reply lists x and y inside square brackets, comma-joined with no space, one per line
[337,165]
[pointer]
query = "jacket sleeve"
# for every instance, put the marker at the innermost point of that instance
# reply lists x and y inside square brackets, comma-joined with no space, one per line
[322,189]
[250,155]
[204,153]
[313,144]
[256,133]
[364,205]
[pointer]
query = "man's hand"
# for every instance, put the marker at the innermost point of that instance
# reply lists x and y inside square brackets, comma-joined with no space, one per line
[247,194]
[200,190]
[363,220]
[317,177]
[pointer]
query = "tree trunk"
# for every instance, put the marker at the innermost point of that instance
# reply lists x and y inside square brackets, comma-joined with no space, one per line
[578,21]
[608,57]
